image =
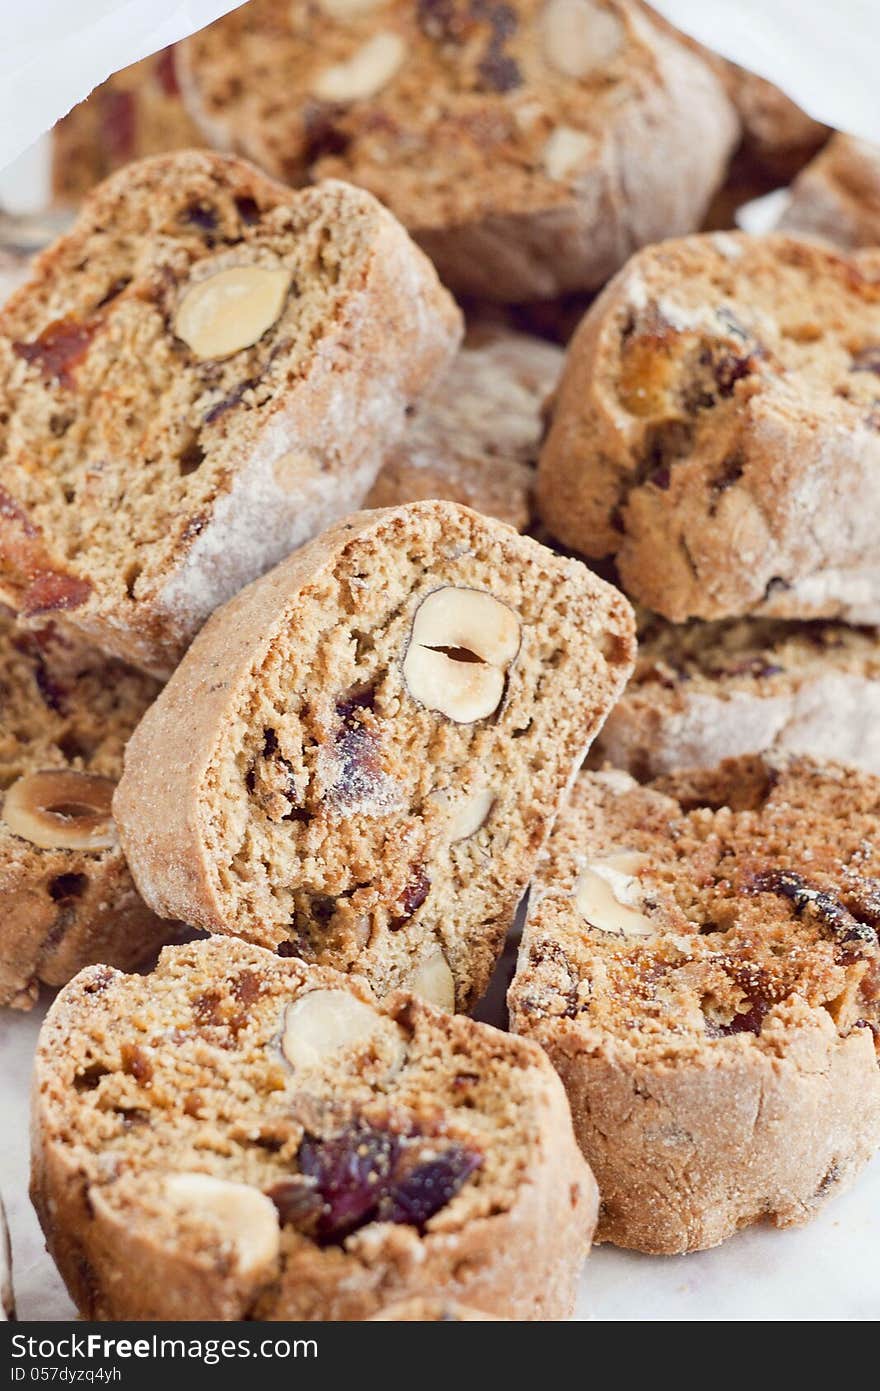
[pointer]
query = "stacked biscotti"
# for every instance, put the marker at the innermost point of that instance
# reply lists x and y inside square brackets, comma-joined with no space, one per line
[284,663]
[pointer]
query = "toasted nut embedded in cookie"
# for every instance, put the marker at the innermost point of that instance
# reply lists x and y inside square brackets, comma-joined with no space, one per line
[580,36]
[60,809]
[433,981]
[461,646]
[470,815]
[608,895]
[245,1219]
[325,1023]
[231,310]
[565,151]
[365,73]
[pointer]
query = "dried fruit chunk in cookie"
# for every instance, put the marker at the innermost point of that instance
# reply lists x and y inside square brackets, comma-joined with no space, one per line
[211,1144]
[529,145]
[717,430]
[202,374]
[701,962]
[706,691]
[475,439]
[67,896]
[361,755]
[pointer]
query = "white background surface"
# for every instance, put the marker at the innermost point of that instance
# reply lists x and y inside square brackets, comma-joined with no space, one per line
[827,57]
[827,1271]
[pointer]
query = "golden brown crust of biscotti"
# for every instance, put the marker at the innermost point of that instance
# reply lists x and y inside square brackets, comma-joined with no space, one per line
[716,430]
[702,692]
[160,493]
[837,196]
[291,787]
[135,113]
[134,1074]
[717,1033]
[475,439]
[64,707]
[557,134]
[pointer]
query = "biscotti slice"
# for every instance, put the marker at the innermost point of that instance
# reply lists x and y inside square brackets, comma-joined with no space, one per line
[202,374]
[475,439]
[236,1136]
[529,146]
[837,196]
[717,431]
[360,756]
[702,692]
[701,963]
[135,113]
[67,897]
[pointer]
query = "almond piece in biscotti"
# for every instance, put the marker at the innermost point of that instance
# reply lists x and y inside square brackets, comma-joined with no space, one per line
[244,1220]
[432,980]
[324,1024]
[607,891]
[579,36]
[364,74]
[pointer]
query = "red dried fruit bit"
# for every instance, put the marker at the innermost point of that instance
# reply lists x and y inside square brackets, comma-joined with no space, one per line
[412,898]
[136,1063]
[59,349]
[429,1186]
[52,591]
[11,511]
[166,74]
[350,1172]
[118,124]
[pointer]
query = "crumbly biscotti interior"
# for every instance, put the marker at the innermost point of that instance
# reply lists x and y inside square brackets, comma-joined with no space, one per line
[348,821]
[62,705]
[120,468]
[210,1065]
[432,81]
[709,322]
[708,905]
[761,656]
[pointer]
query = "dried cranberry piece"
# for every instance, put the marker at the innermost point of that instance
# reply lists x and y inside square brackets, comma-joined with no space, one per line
[51,592]
[787,883]
[118,124]
[412,898]
[351,1172]
[166,74]
[202,216]
[429,1186]
[248,210]
[59,349]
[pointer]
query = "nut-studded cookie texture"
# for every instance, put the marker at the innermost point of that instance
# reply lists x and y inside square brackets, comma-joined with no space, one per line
[135,113]
[717,431]
[476,438]
[701,962]
[529,146]
[201,375]
[239,1136]
[67,896]
[361,755]
[702,692]
[837,196]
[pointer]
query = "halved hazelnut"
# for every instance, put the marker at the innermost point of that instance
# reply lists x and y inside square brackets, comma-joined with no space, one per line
[433,981]
[365,73]
[579,36]
[231,310]
[564,151]
[325,1023]
[461,646]
[244,1218]
[608,895]
[60,809]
